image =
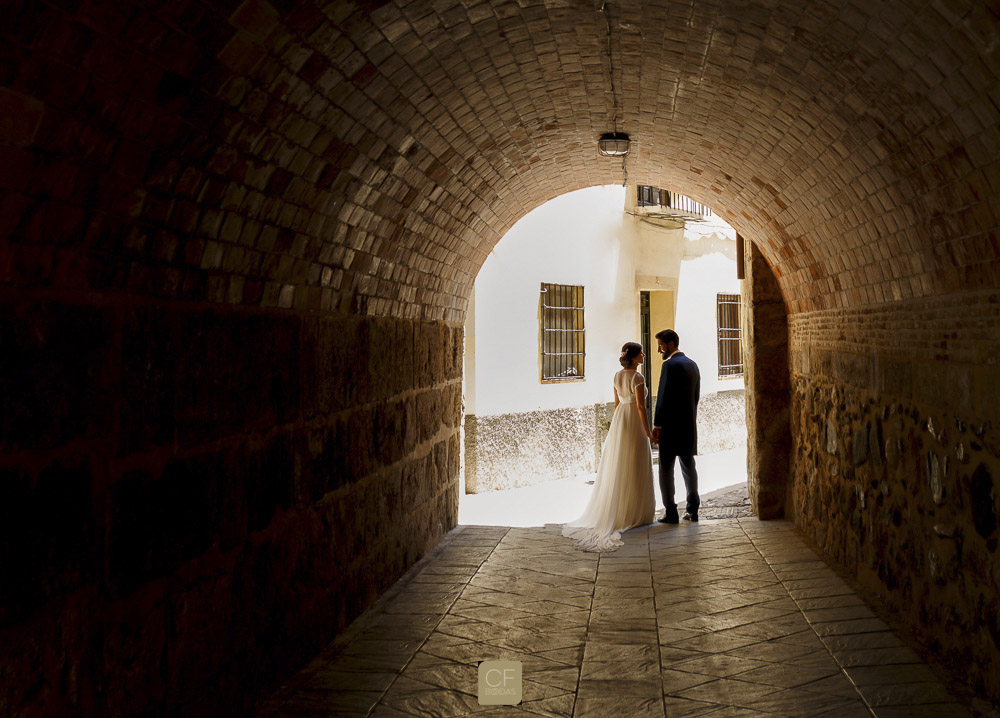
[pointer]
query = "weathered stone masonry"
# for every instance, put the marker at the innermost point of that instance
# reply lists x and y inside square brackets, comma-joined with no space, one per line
[896,459]
[190,492]
[765,346]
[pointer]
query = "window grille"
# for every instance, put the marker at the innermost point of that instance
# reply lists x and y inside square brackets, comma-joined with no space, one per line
[563,348]
[730,352]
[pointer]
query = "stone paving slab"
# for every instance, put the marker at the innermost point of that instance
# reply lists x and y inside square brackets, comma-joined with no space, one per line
[732,617]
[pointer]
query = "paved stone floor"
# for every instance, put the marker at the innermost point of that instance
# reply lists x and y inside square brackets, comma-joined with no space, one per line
[731,617]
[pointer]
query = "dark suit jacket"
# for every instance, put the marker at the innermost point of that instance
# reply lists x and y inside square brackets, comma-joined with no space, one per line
[677,406]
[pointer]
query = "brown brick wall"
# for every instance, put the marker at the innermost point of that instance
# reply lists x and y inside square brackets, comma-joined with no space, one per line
[939,352]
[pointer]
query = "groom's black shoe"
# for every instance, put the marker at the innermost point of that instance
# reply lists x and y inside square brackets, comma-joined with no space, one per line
[690,517]
[670,517]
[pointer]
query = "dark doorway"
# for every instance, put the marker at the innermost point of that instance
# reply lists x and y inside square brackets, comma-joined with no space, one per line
[645,341]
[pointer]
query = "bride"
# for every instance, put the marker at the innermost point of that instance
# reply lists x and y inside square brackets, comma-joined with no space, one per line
[623,490]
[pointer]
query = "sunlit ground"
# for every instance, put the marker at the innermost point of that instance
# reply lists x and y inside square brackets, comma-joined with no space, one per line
[556,502]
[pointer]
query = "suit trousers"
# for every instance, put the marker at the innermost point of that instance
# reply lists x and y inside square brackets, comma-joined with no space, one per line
[690,474]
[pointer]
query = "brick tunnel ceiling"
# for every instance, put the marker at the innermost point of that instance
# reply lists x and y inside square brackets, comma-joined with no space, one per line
[367,158]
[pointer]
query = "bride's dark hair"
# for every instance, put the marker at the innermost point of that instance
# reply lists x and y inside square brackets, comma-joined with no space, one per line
[629,352]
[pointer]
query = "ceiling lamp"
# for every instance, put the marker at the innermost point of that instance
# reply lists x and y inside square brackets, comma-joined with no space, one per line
[613,144]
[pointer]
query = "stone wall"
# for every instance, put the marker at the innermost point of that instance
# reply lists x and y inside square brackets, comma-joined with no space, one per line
[193,501]
[506,451]
[511,450]
[896,455]
[765,362]
[722,421]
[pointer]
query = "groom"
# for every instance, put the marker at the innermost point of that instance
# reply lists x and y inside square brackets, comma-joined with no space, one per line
[675,424]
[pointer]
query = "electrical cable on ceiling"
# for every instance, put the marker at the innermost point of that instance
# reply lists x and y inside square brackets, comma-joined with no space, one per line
[614,93]
[611,69]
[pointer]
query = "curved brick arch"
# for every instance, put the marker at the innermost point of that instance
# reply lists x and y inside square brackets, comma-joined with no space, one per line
[238,241]
[377,153]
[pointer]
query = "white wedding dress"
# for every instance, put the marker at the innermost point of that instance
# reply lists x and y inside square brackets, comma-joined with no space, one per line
[623,490]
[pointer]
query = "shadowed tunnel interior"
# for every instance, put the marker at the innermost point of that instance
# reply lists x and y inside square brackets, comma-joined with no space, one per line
[238,239]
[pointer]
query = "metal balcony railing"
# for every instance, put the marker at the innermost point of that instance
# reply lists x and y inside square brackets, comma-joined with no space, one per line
[670,204]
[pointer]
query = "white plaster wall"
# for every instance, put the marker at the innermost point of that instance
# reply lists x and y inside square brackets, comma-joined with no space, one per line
[575,239]
[587,238]
[707,269]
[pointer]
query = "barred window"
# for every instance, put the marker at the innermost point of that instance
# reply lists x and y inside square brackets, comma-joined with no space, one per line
[647,196]
[562,341]
[730,353]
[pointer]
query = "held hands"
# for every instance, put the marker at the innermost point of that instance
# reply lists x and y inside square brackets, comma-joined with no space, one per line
[655,435]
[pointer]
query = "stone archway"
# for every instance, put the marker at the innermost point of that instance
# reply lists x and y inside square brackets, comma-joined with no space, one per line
[238,240]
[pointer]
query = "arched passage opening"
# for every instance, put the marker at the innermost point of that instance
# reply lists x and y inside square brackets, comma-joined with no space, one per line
[238,244]
[630,261]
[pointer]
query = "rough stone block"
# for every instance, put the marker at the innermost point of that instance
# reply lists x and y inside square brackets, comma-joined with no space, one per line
[985,392]
[201,630]
[187,496]
[429,353]
[232,497]
[18,166]
[216,395]
[854,369]
[799,360]
[821,361]
[983,502]
[24,115]
[147,380]
[893,377]
[389,430]
[457,354]
[942,385]
[50,537]
[134,531]
[859,445]
[270,478]
[429,414]
[875,443]
[400,376]
[331,366]
[454,404]
[57,373]
[358,443]
[133,646]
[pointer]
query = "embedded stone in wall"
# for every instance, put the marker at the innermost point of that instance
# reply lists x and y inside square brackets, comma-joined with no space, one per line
[983,503]
[831,437]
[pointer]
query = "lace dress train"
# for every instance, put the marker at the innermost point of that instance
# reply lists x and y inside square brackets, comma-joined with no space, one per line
[623,490]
